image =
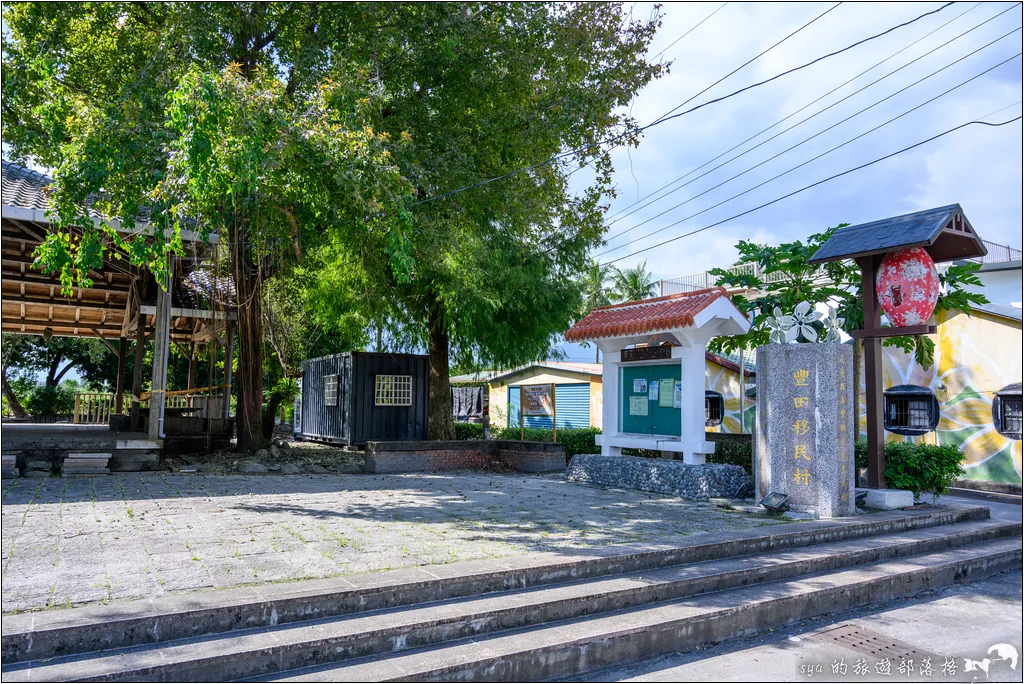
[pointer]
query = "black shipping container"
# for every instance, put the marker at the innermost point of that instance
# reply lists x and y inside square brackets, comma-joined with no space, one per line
[356,397]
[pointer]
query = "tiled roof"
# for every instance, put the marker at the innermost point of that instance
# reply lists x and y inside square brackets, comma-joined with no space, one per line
[22,187]
[919,229]
[644,316]
[201,289]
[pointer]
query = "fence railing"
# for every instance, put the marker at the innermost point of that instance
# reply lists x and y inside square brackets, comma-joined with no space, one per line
[998,253]
[96,407]
[700,281]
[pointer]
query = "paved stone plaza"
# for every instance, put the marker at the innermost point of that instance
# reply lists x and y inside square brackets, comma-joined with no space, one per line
[68,541]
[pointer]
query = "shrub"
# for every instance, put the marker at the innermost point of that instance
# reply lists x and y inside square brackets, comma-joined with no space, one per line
[734,453]
[576,440]
[922,467]
[469,430]
[860,454]
[916,467]
[51,401]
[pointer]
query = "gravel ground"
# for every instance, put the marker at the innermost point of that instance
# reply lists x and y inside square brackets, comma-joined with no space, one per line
[68,541]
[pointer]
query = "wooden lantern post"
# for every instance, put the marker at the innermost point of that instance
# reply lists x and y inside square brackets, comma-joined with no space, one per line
[947,235]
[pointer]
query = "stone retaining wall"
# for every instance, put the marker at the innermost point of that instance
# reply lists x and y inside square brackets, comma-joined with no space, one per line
[475,454]
[697,482]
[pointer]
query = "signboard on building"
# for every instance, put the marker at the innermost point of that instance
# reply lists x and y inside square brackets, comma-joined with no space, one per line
[537,400]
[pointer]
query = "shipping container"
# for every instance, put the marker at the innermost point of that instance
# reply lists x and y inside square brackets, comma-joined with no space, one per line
[356,397]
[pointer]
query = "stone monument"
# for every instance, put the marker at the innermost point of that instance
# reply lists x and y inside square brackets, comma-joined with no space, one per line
[803,433]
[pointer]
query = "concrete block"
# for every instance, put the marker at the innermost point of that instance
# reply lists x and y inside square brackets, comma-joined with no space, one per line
[887,499]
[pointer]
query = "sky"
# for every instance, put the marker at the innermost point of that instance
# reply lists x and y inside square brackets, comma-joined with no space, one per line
[977,167]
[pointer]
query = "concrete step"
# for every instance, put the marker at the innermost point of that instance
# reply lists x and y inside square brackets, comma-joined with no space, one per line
[93,628]
[265,651]
[564,648]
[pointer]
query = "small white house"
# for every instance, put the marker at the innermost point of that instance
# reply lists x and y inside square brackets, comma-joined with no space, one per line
[654,369]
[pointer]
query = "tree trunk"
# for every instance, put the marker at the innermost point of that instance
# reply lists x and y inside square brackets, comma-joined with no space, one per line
[273,405]
[249,377]
[440,424]
[12,401]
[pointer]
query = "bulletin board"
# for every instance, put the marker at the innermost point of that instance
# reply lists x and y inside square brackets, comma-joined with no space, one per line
[645,408]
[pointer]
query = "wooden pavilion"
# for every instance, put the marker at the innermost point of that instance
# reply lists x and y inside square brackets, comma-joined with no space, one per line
[124,307]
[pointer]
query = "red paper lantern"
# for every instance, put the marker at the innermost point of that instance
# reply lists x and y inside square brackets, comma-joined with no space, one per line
[908,287]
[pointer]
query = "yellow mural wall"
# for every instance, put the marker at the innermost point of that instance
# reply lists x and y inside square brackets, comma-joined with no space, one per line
[975,357]
[726,382]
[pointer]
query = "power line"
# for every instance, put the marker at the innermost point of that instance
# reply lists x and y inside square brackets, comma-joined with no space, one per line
[692,29]
[622,213]
[802,164]
[805,140]
[812,185]
[673,116]
[665,116]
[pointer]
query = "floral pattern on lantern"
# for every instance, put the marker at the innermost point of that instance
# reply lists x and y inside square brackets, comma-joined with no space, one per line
[908,287]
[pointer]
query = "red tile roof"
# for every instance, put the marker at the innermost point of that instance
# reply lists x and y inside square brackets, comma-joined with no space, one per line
[643,316]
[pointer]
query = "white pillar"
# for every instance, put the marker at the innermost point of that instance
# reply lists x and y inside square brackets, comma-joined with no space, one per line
[691,435]
[610,410]
[161,348]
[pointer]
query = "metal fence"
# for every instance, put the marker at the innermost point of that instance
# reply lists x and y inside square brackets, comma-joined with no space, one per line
[699,281]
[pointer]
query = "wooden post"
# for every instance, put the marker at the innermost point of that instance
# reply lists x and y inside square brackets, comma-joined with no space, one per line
[554,415]
[522,403]
[122,355]
[229,352]
[873,374]
[191,382]
[140,354]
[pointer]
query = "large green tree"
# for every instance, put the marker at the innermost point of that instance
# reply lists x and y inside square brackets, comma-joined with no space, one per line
[284,125]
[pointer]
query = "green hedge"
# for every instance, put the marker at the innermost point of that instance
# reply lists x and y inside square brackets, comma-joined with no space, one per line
[469,431]
[917,467]
[734,453]
[576,440]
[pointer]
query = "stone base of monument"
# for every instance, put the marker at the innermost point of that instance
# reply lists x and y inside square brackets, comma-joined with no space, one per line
[887,499]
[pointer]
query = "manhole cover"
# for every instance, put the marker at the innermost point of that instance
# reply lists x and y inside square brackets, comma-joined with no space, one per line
[870,643]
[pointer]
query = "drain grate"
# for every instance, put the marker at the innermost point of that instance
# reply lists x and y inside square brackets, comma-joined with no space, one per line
[873,644]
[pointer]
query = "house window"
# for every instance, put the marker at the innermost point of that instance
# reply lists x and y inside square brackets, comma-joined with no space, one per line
[393,390]
[330,390]
[1007,411]
[714,408]
[910,410]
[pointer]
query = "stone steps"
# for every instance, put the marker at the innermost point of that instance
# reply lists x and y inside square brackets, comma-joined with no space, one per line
[561,649]
[250,653]
[96,627]
[9,464]
[82,463]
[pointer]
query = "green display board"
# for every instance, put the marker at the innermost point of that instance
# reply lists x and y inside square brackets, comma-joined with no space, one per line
[641,414]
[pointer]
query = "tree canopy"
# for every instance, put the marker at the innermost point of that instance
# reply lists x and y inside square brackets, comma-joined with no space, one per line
[286,127]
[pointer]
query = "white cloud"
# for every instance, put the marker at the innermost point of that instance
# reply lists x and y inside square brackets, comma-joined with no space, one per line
[980,168]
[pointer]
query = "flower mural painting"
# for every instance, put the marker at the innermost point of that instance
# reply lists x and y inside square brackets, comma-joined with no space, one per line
[964,377]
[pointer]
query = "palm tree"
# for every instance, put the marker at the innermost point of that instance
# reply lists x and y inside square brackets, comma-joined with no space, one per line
[594,285]
[634,283]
